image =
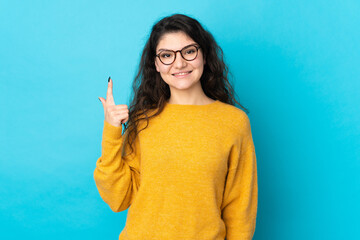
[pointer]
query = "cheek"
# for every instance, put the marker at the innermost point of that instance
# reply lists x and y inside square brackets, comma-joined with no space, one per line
[199,64]
[162,69]
[199,61]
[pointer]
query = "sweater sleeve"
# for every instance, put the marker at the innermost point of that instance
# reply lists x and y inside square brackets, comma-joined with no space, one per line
[117,179]
[239,206]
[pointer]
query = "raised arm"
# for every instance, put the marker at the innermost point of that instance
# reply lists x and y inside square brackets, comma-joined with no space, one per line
[117,178]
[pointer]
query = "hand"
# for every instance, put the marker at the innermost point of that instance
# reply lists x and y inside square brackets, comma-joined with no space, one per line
[114,114]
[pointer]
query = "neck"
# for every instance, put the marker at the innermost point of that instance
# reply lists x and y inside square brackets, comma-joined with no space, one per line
[195,96]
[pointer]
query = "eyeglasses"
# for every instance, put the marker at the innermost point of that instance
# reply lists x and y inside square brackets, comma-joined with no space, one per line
[188,53]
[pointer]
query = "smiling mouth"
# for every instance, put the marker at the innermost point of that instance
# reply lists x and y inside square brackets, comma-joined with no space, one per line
[181,74]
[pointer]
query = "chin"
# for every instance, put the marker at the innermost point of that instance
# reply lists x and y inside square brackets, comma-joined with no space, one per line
[183,86]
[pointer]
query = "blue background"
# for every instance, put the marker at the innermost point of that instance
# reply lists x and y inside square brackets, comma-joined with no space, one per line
[295,67]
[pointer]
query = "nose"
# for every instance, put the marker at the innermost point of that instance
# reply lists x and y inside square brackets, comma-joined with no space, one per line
[179,61]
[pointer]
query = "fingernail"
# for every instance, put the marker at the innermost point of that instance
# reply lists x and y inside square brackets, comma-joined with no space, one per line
[99,99]
[109,79]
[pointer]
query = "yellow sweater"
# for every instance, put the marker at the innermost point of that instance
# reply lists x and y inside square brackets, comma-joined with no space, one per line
[192,176]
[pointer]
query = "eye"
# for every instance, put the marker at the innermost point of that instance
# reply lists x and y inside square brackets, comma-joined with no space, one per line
[190,51]
[165,55]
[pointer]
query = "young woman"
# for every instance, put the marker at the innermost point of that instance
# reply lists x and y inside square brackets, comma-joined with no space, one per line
[186,163]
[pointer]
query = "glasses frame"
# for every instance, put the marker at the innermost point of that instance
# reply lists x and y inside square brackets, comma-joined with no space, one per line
[175,53]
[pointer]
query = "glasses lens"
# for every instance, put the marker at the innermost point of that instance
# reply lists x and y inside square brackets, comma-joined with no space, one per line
[189,53]
[167,57]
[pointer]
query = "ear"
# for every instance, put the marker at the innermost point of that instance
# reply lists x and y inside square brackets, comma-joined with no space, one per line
[157,66]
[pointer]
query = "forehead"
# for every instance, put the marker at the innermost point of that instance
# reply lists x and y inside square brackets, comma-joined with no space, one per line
[174,41]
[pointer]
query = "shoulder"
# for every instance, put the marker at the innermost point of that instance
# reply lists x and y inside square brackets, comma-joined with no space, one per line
[232,112]
[234,118]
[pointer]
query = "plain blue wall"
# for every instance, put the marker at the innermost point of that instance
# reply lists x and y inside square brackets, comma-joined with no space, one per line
[295,66]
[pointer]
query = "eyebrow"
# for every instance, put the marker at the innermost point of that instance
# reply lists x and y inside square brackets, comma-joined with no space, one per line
[164,49]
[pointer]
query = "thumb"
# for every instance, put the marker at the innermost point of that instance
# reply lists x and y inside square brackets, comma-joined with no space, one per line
[102,100]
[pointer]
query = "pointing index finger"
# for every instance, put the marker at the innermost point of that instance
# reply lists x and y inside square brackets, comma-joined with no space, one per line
[109,94]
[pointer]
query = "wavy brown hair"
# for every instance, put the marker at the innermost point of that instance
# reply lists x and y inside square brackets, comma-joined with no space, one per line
[150,93]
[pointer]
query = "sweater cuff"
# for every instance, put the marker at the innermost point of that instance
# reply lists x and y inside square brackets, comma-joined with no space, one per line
[111,132]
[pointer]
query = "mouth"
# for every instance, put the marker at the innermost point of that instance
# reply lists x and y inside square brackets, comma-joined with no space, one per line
[181,74]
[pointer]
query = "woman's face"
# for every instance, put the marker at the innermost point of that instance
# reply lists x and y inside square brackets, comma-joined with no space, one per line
[181,74]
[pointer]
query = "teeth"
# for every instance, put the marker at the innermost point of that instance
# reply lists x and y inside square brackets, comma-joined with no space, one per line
[182,73]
